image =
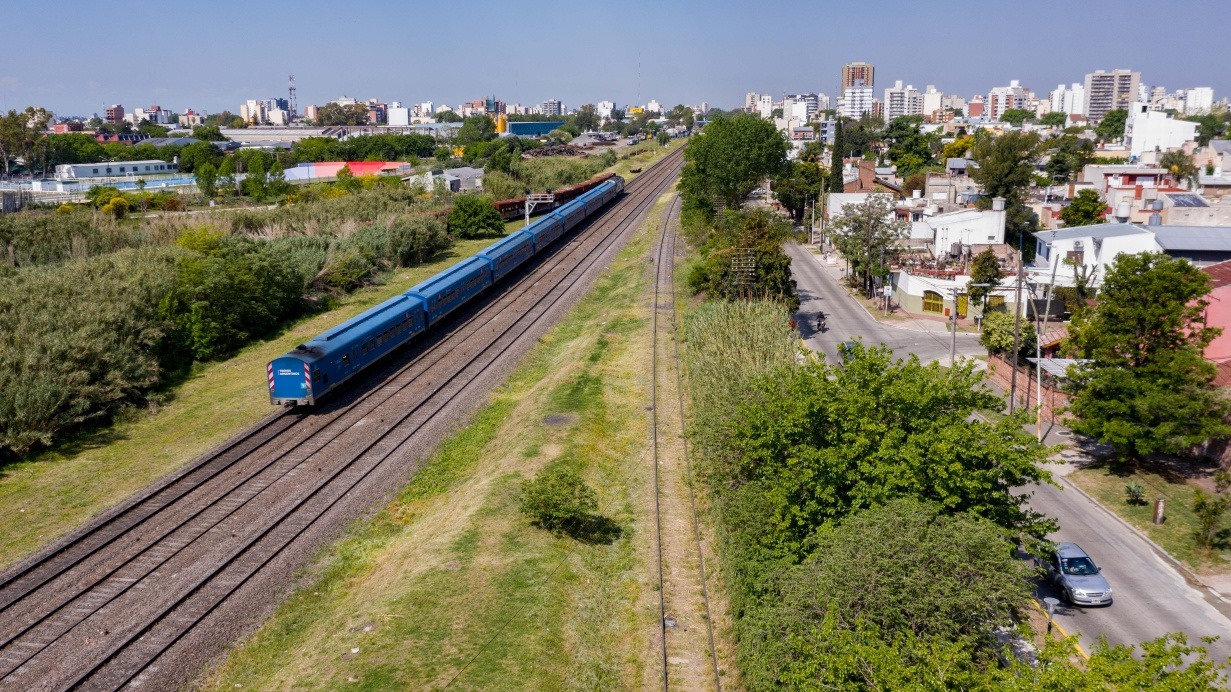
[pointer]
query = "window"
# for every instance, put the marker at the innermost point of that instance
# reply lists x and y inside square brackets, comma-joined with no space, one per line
[95,171]
[933,302]
[346,359]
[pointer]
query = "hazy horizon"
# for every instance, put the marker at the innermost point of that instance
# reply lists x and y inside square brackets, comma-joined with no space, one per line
[213,57]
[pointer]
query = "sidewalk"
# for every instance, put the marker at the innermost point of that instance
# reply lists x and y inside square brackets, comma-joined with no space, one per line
[897,318]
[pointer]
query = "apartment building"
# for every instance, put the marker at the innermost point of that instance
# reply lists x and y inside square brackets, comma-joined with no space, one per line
[903,100]
[858,74]
[1107,91]
[1001,99]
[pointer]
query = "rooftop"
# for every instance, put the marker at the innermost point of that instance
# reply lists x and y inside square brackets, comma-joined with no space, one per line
[1202,238]
[1220,274]
[1098,230]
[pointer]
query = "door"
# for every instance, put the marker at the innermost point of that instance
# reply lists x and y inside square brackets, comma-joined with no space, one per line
[963,302]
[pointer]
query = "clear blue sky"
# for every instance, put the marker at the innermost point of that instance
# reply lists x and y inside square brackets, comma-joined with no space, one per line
[79,57]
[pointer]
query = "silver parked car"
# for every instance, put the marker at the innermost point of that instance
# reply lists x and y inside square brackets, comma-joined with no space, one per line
[1076,576]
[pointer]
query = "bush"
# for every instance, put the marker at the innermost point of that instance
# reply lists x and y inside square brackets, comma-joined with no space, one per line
[558,500]
[473,216]
[1136,493]
[997,336]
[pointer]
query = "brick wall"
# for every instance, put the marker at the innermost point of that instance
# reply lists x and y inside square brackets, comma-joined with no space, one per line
[1000,373]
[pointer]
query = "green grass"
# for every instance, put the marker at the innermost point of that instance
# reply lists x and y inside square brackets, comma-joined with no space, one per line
[60,489]
[1175,535]
[449,584]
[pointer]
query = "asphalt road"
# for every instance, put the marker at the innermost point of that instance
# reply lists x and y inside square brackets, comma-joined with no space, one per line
[847,320]
[1152,597]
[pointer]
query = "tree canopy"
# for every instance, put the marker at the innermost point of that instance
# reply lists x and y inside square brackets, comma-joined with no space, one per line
[1148,387]
[1006,169]
[476,128]
[865,234]
[1086,208]
[1017,116]
[729,159]
[473,216]
[335,114]
[1111,127]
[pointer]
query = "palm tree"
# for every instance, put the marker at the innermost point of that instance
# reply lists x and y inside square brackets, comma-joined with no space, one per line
[1181,166]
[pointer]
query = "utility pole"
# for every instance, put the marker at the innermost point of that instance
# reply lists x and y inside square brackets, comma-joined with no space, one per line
[1038,342]
[1017,333]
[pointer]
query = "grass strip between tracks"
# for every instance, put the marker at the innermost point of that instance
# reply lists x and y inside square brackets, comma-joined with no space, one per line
[53,493]
[450,584]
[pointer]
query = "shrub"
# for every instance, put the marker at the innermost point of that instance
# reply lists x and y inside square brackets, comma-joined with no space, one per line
[473,216]
[1136,493]
[557,499]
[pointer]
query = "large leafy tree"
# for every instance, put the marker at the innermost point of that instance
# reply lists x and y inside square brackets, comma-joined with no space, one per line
[476,128]
[587,118]
[825,441]
[752,235]
[1068,154]
[865,235]
[21,133]
[1111,127]
[1006,169]
[909,149]
[1147,388]
[799,186]
[1086,208]
[1017,116]
[729,158]
[985,275]
[335,114]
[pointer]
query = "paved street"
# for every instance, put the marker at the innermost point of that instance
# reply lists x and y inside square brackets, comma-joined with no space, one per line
[1151,596]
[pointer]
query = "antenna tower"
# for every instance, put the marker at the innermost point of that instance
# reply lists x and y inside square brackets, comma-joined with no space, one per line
[291,92]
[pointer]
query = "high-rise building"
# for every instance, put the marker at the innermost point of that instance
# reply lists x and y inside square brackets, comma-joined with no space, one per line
[604,109]
[1198,101]
[900,101]
[765,105]
[1106,91]
[553,107]
[976,106]
[1001,99]
[857,101]
[750,101]
[858,74]
[115,114]
[931,101]
[1070,101]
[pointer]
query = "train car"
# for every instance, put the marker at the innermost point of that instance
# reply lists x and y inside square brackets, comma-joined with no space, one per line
[511,208]
[451,288]
[545,231]
[509,253]
[313,369]
[571,214]
[594,200]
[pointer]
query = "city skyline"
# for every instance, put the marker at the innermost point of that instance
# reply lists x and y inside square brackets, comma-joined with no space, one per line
[683,52]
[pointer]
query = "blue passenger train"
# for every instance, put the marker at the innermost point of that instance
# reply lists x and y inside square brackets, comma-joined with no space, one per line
[316,368]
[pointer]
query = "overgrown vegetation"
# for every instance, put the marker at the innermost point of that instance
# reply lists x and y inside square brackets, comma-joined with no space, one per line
[865,525]
[96,314]
[741,256]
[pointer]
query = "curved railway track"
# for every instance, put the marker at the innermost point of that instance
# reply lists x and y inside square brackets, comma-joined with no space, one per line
[101,608]
[677,594]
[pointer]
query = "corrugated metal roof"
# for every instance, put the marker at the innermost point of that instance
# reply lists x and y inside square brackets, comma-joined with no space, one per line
[1204,238]
[1058,367]
[1220,274]
[1222,146]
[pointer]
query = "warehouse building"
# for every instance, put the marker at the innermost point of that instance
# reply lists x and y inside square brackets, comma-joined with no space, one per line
[114,169]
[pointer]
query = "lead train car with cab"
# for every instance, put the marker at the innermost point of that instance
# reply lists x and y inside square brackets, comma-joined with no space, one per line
[323,364]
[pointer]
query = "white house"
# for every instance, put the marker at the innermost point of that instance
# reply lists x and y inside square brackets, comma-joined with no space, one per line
[965,227]
[1093,248]
[1148,130]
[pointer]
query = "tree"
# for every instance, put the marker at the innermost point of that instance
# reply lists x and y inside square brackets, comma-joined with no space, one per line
[681,115]
[20,134]
[208,133]
[335,114]
[226,176]
[1211,125]
[997,335]
[865,233]
[823,441]
[476,128]
[557,499]
[1181,166]
[500,160]
[1086,209]
[799,185]
[909,149]
[958,148]
[1054,119]
[1006,169]
[255,182]
[729,159]
[1148,388]
[347,181]
[198,154]
[207,179]
[587,119]
[836,182]
[985,276]
[663,138]
[1068,154]
[754,235]
[1016,116]
[474,216]
[277,185]
[910,566]
[1111,127]
[448,117]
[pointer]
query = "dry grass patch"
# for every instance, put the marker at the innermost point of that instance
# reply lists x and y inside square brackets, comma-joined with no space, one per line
[463,591]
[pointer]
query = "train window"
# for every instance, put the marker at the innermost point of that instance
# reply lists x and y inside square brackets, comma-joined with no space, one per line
[346,359]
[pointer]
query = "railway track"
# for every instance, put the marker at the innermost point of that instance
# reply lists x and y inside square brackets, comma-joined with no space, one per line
[686,631]
[105,606]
